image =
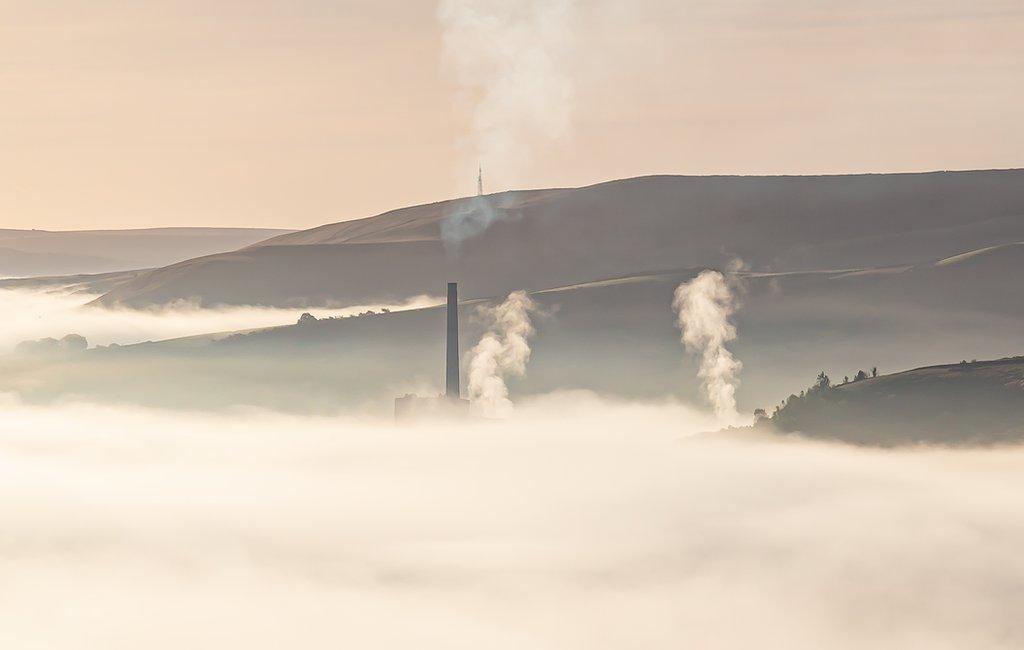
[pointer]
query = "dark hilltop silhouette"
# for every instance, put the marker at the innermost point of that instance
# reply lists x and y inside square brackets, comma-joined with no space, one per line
[979,402]
[550,238]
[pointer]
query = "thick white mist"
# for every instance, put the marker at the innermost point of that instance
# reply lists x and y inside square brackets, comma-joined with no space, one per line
[37,314]
[703,308]
[576,523]
[502,352]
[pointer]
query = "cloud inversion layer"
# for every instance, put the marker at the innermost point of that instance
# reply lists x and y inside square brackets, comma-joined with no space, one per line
[576,523]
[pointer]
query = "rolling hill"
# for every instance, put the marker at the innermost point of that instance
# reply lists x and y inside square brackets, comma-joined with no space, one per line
[966,402]
[545,238]
[615,336]
[847,272]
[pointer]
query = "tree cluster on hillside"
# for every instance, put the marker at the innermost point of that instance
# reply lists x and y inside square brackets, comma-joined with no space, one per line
[963,403]
[821,392]
[307,318]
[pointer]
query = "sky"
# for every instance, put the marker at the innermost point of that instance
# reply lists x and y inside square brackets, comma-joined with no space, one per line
[295,113]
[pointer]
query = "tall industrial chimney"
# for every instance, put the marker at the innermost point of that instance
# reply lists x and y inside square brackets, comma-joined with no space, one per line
[451,404]
[451,384]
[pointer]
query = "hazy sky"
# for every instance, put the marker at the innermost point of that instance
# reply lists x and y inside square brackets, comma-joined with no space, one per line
[294,113]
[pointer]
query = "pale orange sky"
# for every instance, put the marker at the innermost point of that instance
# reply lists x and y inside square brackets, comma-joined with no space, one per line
[294,113]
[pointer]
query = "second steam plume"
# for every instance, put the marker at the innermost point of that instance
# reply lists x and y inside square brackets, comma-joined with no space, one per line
[502,352]
[703,308]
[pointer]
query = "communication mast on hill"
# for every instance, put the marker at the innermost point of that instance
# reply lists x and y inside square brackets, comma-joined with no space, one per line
[480,181]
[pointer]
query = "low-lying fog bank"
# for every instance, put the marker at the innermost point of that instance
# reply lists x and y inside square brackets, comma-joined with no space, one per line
[33,314]
[576,523]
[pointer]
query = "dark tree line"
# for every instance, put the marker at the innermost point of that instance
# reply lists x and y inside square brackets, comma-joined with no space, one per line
[821,388]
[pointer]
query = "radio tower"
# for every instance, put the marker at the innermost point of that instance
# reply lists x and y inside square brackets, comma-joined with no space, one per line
[480,181]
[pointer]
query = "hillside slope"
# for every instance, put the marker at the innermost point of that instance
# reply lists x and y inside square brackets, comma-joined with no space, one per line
[967,402]
[558,237]
[617,337]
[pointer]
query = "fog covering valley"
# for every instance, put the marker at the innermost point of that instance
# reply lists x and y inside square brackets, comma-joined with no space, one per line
[180,469]
[126,527]
[511,324]
[54,311]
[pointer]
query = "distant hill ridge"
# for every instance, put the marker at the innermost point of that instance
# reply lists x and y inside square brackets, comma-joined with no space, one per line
[416,223]
[546,238]
[71,252]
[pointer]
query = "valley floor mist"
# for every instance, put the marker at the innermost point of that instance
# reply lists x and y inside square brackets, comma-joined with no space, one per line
[576,523]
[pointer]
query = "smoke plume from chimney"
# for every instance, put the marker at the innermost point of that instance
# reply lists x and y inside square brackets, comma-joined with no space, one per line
[703,307]
[512,58]
[502,352]
[470,218]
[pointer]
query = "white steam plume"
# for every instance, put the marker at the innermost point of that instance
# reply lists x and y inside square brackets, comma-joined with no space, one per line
[703,307]
[468,220]
[512,57]
[502,352]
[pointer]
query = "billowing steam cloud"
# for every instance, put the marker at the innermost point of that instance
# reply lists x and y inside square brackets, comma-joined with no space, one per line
[502,352]
[512,58]
[703,307]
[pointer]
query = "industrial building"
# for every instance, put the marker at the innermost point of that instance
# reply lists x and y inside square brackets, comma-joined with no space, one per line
[450,403]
